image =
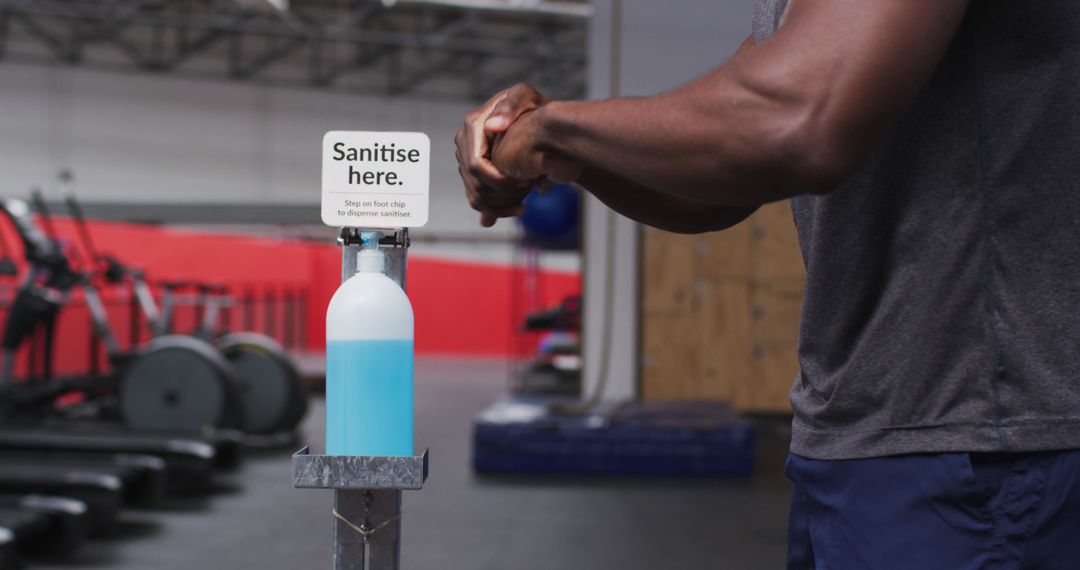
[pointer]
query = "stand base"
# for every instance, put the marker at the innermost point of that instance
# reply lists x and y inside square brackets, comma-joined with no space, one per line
[367,503]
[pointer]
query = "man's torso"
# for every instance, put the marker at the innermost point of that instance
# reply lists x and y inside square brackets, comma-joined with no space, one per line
[942,304]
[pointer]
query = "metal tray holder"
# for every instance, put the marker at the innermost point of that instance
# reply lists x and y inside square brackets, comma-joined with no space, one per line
[367,490]
[367,503]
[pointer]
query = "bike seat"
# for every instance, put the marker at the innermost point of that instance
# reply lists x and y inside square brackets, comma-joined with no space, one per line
[114,270]
[172,285]
[212,288]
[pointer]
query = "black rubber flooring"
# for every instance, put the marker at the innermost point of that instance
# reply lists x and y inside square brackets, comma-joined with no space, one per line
[464,522]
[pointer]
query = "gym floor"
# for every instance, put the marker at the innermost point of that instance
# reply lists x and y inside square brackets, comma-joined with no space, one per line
[464,522]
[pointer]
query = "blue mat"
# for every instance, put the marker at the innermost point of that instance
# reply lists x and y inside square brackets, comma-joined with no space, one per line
[528,435]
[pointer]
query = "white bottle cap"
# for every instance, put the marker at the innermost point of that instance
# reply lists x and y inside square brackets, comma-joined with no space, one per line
[370,261]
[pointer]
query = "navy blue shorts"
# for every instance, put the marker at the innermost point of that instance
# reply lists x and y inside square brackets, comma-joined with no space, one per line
[949,511]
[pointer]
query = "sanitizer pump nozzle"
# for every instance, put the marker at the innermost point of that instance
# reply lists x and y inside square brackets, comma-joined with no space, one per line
[370,259]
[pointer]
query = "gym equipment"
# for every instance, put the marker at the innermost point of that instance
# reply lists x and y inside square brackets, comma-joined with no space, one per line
[557,364]
[551,214]
[273,396]
[565,317]
[175,383]
[29,528]
[559,352]
[143,476]
[101,492]
[697,439]
[8,266]
[43,291]
[9,558]
[59,524]
[178,384]
[367,490]
[189,462]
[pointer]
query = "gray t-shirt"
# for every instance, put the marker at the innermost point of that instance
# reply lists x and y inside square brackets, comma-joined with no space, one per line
[942,304]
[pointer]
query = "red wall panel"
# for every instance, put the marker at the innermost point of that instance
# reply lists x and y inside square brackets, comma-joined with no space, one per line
[461,307]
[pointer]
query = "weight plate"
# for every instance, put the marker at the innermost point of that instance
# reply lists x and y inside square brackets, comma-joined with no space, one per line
[270,385]
[180,384]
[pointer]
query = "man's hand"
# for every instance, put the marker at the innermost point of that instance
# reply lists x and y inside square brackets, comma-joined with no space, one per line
[489,191]
[519,153]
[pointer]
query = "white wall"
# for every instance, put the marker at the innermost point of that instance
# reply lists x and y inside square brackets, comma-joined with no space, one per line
[160,139]
[639,48]
[666,44]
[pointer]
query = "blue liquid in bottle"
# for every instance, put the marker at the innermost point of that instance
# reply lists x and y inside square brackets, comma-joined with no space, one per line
[369,397]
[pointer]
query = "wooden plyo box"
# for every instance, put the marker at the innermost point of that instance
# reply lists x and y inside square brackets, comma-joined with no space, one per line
[720,313]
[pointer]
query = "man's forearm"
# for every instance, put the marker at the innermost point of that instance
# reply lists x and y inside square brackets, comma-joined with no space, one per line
[659,210]
[664,147]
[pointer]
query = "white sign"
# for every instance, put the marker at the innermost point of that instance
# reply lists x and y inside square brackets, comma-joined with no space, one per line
[375,180]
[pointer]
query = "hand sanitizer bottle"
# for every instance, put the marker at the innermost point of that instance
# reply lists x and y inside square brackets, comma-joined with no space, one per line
[369,363]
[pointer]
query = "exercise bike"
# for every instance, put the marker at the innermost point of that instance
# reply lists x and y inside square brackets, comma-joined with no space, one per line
[272,393]
[175,383]
[51,447]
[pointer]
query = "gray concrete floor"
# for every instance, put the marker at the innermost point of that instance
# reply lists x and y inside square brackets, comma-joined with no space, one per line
[464,522]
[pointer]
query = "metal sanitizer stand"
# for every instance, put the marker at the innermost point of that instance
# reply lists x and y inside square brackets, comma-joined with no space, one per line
[367,490]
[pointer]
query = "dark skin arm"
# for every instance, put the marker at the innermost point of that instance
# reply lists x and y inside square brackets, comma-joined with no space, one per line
[794,115]
[631,199]
[657,209]
[495,195]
